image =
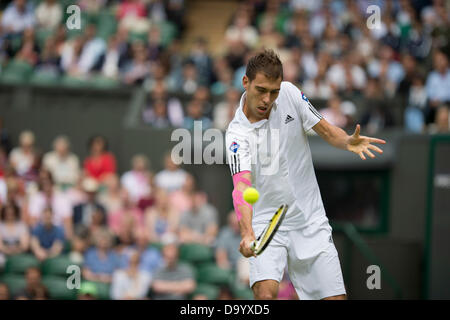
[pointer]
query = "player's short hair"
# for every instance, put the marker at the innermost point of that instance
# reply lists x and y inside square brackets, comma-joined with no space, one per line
[267,62]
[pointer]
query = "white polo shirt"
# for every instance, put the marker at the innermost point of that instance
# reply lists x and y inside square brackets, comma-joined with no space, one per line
[276,152]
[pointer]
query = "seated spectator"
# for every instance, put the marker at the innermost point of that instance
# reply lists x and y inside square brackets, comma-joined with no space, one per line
[4,292]
[228,240]
[100,163]
[157,116]
[100,261]
[441,124]
[137,181]
[131,8]
[70,56]
[173,106]
[23,157]
[112,60]
[174,281]
[14,235]
[377,118]
[162,218]
[49,196]
[417,103]
[92,6]
[29,51]
[437,84]
[62,163]
[138,68]
[187,82]
[200,56]
[172,178]
[131,283]
[151,258]
[223,84]
[17,17]
[181,199]
[49,14]
[241,30]
[93,48]
[200,224]
[346,76]
[112,195]
[195,112]
[34,289]
[127,217]
[49,59]
[224,111]
[334,113]
[47,240]
[77,249]
[83,213]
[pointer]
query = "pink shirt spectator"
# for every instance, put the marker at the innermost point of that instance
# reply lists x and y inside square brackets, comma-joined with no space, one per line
[131,8]
[59,202]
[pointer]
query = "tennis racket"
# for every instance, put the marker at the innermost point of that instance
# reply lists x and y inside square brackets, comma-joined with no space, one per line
[263,240]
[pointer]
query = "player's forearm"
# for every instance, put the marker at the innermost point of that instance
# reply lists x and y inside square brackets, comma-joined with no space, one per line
[335,136]
[245,223]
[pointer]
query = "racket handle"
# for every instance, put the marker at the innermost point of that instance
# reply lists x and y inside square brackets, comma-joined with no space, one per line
[253,245]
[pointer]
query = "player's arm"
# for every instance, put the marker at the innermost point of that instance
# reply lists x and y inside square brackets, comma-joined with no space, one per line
[244,211]
[340,139]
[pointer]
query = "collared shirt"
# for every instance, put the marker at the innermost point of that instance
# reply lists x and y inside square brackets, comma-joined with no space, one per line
[276,152]
[16,20]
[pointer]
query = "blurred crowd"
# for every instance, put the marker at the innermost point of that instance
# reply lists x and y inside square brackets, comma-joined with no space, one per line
[125,230]
[391,74]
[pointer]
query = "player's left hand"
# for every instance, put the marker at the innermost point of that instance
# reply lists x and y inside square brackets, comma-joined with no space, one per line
[361,144]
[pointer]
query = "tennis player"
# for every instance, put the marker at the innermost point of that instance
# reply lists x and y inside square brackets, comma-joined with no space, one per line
[267,148]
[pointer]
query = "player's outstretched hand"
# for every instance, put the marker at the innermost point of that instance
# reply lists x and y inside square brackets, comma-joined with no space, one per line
[245,247]
[361,144]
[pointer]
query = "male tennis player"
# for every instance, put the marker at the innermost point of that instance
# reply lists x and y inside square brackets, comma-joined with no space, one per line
[267,148]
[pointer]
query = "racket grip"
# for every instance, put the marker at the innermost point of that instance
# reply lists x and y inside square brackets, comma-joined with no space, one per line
[253,245]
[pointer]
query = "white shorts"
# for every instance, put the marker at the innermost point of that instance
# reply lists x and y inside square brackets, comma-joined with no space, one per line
[311,257]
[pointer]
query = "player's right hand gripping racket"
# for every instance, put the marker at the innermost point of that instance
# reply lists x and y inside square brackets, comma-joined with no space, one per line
[262,241]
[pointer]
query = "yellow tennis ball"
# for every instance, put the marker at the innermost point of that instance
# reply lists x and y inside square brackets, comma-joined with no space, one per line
[251,195]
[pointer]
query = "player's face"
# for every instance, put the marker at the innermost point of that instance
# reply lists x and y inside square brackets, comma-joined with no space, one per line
[261,93]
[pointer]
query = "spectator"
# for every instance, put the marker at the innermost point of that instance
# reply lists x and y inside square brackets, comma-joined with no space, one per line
[131,283]
[100,261]
[49,60]
[112,196]
[29,51]
[17,17]
[93,48]
[83,213]
[417,102]
[112,60]
[195,112]
[174,281]
[34,289]
[137,181]
[49,196]
[23,157]
[200,57]
[49,14]
[127,218]
[187,82]
[70,56]
[334,113]
[346,76]
[77,249]
[4,291]
[151,258]
[200,224]
[14,235]
[437,84]
[136,70]
[223,83]
[100,163]
[377,118]
[441,124]
[157,115]
[47,239]
[172,178]
[161,219]
[224,111]
[242,31]
[228,240]
[181,199]
[62,163]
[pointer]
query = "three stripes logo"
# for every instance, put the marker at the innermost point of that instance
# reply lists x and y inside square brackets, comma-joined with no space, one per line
[288,119]
[235,164]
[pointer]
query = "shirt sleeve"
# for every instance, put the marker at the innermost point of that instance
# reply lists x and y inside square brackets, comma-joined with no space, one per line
[308,114]
[238,153]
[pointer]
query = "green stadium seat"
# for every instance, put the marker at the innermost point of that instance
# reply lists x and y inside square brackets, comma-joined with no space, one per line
[103,83]
[103,290]
[212,274]
[57,288]
[56,266]
[196,253]
[18,264]
[44,79]
[209,290]
[14,282]
[16,72]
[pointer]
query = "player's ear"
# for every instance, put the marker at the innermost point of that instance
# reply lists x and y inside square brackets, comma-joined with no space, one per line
[245,82]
